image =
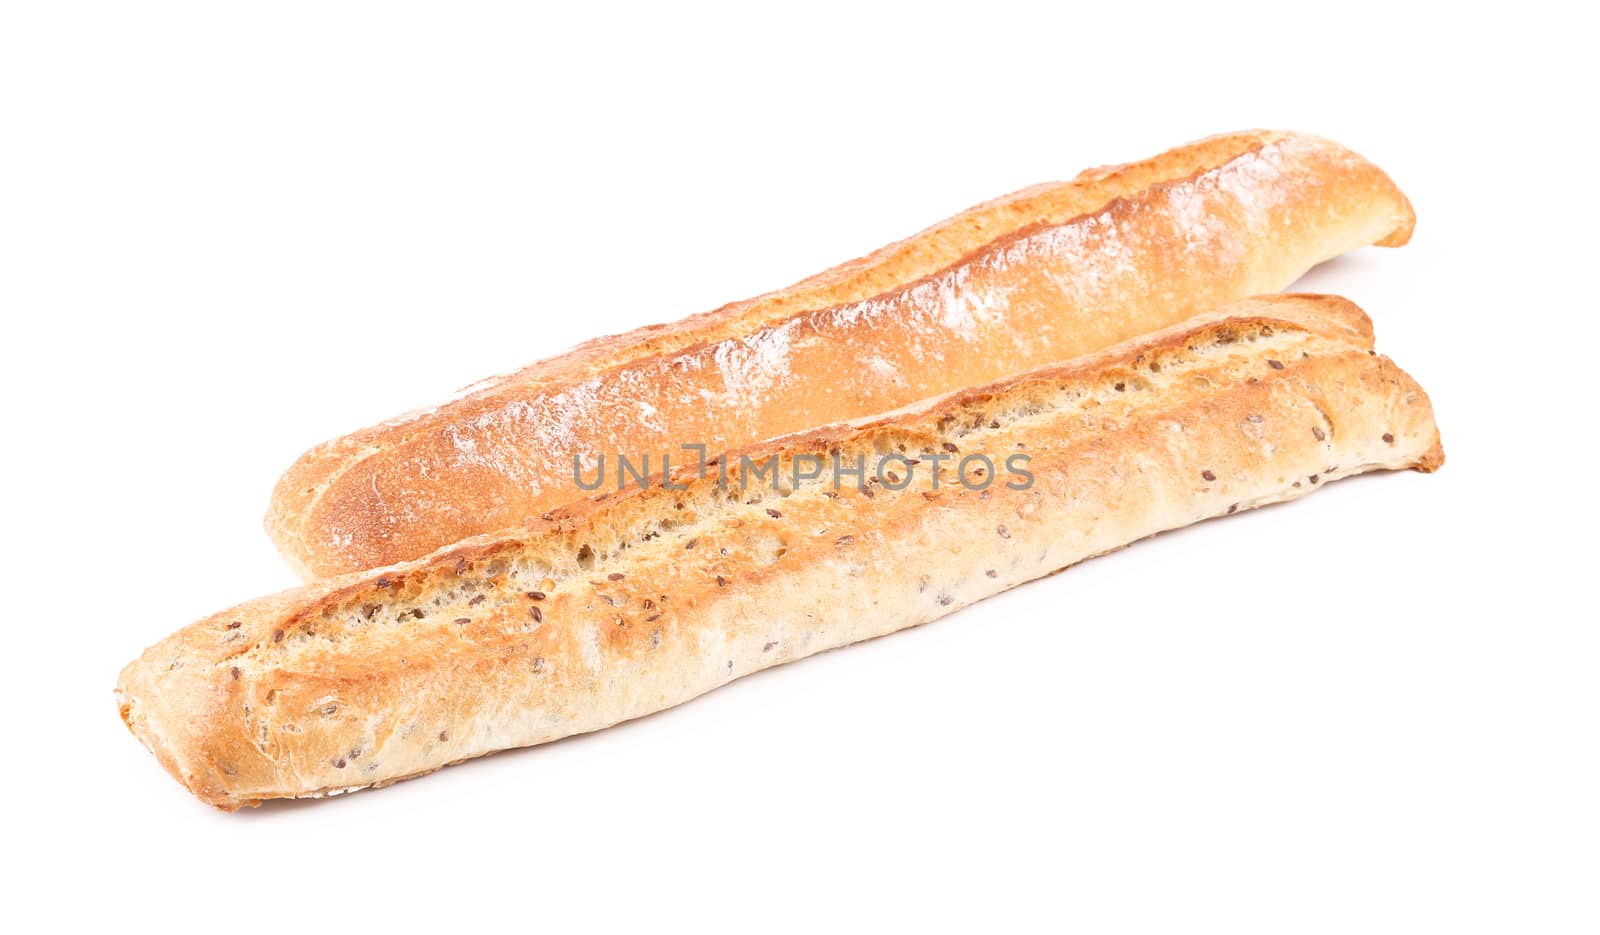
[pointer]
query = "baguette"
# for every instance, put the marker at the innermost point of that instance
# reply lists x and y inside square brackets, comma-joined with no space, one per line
[1043,275]
[640,599]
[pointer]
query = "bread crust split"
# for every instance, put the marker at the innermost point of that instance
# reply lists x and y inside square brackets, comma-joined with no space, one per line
[1043,275]
[629,603]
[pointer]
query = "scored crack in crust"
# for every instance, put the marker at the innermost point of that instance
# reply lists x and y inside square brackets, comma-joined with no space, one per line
[1043,275]
[632,602]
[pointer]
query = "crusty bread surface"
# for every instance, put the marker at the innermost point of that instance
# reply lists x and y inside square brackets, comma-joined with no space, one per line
[1036,277]
[636,600]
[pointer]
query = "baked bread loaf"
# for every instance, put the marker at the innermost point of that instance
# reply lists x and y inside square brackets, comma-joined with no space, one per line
[640,599]
[1036,277]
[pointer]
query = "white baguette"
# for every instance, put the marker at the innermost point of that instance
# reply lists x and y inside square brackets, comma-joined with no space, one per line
[1040,276]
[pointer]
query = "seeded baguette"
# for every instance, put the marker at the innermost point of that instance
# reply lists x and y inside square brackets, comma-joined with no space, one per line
[632,602]
[1039,276]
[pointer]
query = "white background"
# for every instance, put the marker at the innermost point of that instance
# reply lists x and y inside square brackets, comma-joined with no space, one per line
[228,231]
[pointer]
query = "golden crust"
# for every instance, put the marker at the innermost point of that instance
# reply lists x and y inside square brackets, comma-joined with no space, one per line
[1042,275]
[628,603]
